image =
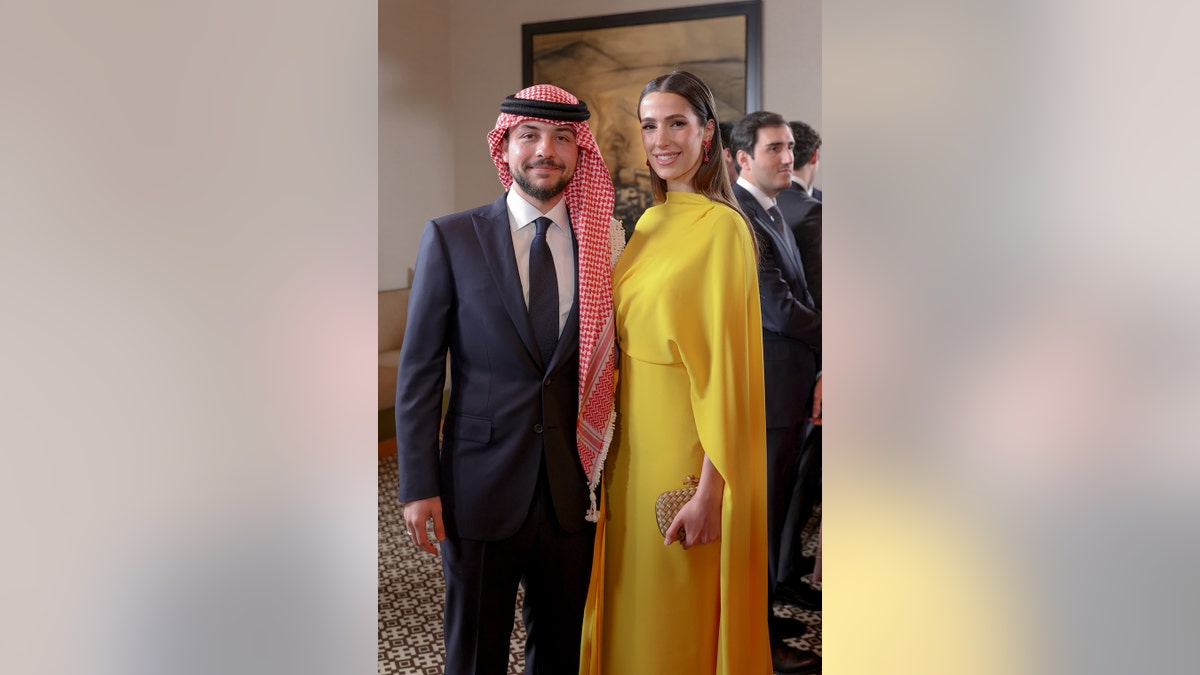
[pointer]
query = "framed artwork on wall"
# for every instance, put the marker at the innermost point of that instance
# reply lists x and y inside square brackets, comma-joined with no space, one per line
[606,60]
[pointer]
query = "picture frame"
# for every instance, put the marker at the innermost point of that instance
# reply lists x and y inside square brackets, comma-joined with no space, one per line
[606,61]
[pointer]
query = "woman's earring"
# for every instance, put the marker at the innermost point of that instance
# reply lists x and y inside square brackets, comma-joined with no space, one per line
[707,147]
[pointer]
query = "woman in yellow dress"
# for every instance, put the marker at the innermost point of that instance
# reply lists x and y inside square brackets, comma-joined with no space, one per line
[689,402]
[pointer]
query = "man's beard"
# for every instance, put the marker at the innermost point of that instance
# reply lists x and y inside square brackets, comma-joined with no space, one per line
[536,191]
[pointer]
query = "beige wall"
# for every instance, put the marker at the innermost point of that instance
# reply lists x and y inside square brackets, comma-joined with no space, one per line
[416,167]
[444,67]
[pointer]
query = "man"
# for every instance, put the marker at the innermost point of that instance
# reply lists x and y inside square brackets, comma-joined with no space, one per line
[511,491]
[762,145]
[802,209]
[801,203]
[806,158]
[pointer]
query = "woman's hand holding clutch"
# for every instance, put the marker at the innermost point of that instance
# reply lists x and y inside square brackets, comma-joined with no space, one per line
[699,520]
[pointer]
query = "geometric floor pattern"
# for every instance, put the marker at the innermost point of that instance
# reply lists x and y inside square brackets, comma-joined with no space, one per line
[411,593]
[411,590]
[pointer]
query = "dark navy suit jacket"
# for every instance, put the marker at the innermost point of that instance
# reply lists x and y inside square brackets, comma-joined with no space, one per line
[803,215]
[506,408]
[791,320]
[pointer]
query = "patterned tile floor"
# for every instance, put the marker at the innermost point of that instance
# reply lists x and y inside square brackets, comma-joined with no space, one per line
[411,588]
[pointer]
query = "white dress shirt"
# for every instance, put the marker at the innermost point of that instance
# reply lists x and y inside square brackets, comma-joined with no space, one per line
[521,215]
[807,188]
[763,200]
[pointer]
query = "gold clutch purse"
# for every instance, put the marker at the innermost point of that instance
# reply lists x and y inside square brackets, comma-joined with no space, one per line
[668,504]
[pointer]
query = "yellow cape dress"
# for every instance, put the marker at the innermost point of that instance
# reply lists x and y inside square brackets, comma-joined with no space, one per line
[689,328]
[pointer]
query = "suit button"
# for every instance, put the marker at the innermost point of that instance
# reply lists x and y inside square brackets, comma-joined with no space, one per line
[547,382]
[537,428]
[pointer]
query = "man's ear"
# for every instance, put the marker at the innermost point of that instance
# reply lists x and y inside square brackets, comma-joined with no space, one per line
[504,147]
[740,156]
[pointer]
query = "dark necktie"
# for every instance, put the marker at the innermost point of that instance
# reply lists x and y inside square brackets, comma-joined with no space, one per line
[777,217]
[543,291]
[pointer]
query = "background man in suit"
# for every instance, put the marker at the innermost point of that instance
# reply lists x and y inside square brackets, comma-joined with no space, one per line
[801,207]
[801,204]
[510,492]
[806,158]
[762,143]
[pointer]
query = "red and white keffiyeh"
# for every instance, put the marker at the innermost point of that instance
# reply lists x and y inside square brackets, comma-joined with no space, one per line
[590,199]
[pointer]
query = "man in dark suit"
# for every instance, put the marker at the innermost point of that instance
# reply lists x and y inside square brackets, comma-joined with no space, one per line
[762,143]
[806,159]
[801,206]
[515,292]
[801,203]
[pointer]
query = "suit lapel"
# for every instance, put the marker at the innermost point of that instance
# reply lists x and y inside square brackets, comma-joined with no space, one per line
[787,242]
[787,253]
[496,242]
[755,210]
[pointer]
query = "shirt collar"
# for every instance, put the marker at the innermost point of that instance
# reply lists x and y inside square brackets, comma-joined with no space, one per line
[522,213]
[799,182]
[761,197]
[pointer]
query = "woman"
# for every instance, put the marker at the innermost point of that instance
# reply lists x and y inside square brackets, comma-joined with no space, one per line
[690,402]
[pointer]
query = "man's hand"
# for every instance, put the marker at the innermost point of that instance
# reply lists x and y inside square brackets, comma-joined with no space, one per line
[816,411]
[417,514]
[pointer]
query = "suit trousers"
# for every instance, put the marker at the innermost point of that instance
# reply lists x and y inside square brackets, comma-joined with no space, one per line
[806,494]
[554,568]
[783,459]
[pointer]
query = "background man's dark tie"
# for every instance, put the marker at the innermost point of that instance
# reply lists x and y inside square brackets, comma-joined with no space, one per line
[543,291]
[777,216]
